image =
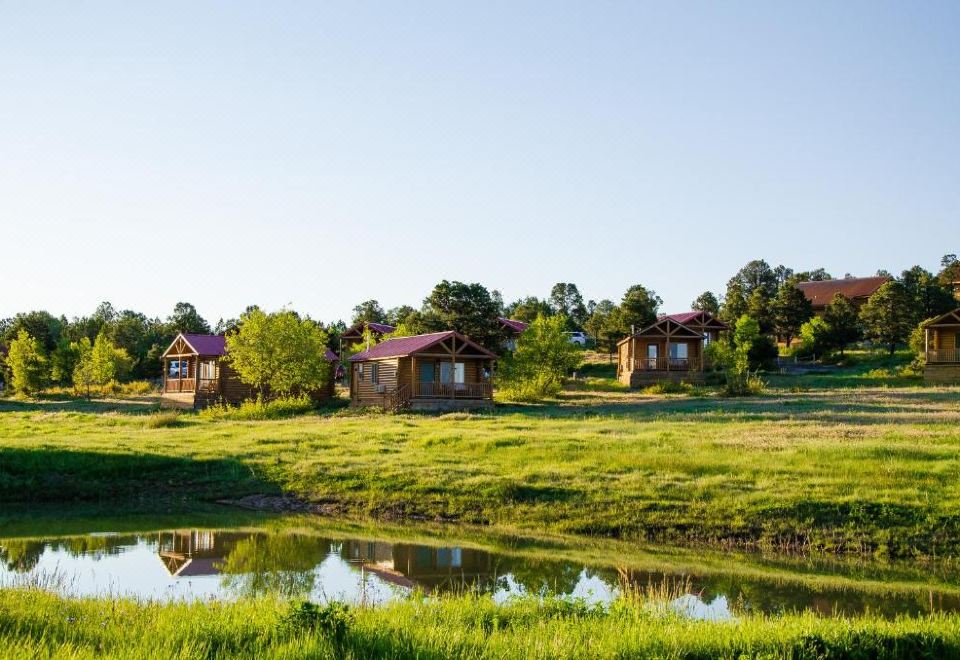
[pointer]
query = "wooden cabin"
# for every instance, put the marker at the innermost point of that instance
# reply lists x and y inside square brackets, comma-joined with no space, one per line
[195,374]
[438,371]
[667,350]
[511,329]
[355,333]
[942,349]
[857,289]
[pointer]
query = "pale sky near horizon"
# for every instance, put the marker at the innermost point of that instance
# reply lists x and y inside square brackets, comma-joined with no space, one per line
[316,155]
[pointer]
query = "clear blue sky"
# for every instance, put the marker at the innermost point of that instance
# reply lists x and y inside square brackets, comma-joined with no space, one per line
[319,154]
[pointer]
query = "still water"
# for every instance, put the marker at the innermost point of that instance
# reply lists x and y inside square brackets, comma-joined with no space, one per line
[192,562]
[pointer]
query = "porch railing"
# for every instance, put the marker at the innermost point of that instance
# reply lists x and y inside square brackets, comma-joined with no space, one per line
[452,390]
[947,355]
[663,363]
[207,386]
[174,385]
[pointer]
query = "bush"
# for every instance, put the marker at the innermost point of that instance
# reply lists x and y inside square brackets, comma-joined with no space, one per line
[670,387]
[332,620]
[744,385]
[543,358]
[163,419]
[258,409]
[814,337]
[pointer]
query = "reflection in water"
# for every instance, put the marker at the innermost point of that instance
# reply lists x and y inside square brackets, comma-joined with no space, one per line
[202,564]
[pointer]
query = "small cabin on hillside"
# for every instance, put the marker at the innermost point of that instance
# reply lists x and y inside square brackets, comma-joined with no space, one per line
[195,374]
[667,350]
[437,371]
[355,333]
[511,329]
[857,289]
[942,348]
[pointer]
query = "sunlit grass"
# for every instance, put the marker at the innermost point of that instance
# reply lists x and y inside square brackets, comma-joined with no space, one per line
[859,470]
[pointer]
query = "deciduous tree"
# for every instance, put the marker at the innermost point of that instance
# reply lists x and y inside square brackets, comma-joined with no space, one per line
[842,321]
[279,353]
[543,357]
[27,361]
[706,302]
[466,308]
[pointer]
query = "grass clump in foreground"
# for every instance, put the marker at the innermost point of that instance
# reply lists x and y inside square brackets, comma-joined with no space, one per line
[38,624]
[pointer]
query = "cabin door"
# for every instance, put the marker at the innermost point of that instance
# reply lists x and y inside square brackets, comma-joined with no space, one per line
[652,354]
[427,379]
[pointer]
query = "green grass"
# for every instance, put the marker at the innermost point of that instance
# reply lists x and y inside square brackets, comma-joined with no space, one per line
[860,470]
[37,624]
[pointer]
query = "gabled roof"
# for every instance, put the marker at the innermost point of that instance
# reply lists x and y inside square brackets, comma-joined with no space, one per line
[948,319]
[697,317]
[514,325]
[330,356]
[206,345]
[665,327]
[821,293]
[404,346]
[376,328]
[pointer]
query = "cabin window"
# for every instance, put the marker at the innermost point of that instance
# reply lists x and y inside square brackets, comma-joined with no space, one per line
[678,351]
[375,374]
[176,368]
[360,371]
[652,351]
[458,372]
[208,370]
[706,338]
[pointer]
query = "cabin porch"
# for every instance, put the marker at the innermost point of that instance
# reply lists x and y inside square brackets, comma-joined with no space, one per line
[190,374]
[439,383]
[942,349]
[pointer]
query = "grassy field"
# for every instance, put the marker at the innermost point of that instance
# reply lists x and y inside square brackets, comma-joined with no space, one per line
[871,470]
[37,624]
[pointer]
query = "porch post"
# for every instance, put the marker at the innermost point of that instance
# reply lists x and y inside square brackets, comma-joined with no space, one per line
[926,344]
[453,367]
[414,385]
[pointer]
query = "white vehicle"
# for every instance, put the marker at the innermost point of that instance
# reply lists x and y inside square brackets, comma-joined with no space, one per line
[578,338]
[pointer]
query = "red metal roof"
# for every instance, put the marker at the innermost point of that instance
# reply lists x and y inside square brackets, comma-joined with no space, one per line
[403,346]
[683,317]
[207,344]
[516,326]
[821,293]
[330,356]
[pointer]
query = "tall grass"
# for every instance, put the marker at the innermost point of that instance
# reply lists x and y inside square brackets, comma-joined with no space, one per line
[36,624]
[260,409]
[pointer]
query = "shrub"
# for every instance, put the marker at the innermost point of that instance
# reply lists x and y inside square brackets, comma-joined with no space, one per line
[543,358]
[744,385]
[164,419]
[332,620]
[258,409]
[814,337]
[669,387]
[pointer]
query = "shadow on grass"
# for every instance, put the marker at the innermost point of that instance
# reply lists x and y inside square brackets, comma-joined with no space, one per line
[59,475]
[133,406]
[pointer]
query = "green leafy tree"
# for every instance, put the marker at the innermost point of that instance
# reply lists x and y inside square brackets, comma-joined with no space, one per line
[746,334]
[815,275]
[790,309]
[950,274]
[706,302]
[41,325]
[62,362]
[639,307]
[887,316]
[28,364]
[751,291]
[566,300]
[84,374]
[185,318]
[369,311]
[928,296]
[466,308]
[279,353]
[604,326]
[815,336]
[401,314]
[543,357]
[528,309]
[842,321]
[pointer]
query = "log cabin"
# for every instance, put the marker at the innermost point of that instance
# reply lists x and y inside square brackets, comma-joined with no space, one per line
[355,333]
[942,349]
[667,350]
[437,371]
[195,375]
[857,289]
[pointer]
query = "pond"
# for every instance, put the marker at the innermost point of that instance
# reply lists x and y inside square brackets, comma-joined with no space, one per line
[193,557]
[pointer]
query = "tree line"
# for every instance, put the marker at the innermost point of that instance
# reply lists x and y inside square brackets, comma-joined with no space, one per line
[126,345]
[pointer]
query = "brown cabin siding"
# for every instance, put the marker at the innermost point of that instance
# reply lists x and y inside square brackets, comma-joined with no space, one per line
[364,390]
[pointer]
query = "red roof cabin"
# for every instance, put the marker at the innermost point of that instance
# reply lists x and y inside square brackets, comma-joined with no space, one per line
[511,330]
[437,371]
[195,374]
[856,289]
[942,349]
[671,349]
